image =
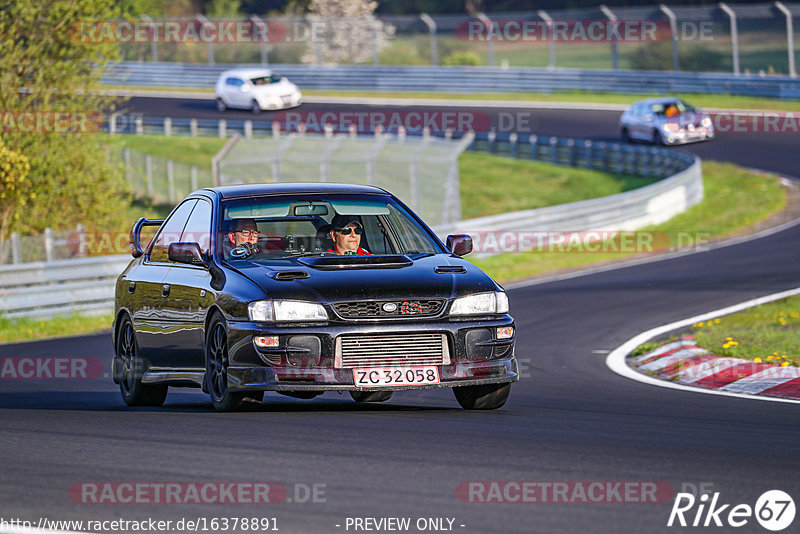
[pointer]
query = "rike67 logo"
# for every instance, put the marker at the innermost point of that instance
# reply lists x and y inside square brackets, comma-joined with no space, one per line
[774,510]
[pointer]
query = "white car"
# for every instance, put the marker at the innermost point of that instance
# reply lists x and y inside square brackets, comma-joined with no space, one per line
[256,90]
[665,121]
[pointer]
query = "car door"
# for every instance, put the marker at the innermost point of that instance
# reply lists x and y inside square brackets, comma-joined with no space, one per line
[233,92]
[148,315]
[189,295]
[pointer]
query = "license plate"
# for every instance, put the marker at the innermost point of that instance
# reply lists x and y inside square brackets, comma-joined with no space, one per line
[395,376]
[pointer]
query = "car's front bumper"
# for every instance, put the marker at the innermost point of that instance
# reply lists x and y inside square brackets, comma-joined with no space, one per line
[687,136]
[474,359]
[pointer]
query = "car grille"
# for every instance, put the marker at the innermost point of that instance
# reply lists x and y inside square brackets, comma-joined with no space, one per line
[374,309]
[388,350]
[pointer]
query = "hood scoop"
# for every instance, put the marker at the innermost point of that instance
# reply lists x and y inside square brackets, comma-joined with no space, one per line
[289,275]
[455,269]
[375,261]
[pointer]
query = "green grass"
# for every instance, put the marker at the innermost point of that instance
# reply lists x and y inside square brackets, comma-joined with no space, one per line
[770,332]
[27,329]
[491,184]
[734,199]
[181,149]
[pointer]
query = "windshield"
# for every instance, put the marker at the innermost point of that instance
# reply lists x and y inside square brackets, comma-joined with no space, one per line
[668,109]
[265,80]
[263,229]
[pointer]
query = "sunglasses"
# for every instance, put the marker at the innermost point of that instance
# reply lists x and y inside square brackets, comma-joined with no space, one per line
[346,231]
[248,233]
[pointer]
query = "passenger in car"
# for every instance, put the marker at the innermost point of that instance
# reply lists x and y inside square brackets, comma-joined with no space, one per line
[346,235]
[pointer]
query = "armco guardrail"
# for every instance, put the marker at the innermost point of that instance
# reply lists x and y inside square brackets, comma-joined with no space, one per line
[87,284]
[83,285]
[631,210]
[465,79]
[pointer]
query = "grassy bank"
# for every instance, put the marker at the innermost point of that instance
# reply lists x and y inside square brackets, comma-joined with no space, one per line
[769,333]
[734,199]
[26,329]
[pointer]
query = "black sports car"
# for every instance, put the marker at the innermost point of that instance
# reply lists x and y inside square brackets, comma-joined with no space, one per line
[306,288]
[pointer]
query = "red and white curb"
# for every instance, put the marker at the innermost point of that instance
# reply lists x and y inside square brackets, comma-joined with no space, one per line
[682,361]
[689,368]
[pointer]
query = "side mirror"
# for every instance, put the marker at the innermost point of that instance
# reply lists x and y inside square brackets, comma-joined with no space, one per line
[188,253]
[459,244]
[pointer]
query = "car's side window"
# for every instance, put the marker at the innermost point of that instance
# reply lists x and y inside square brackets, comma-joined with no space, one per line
[198,227]
[170,231]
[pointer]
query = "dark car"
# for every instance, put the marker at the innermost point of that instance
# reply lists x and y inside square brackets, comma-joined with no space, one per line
[245,289]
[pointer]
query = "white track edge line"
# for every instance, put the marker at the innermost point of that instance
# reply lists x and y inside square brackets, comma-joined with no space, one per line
[616,359]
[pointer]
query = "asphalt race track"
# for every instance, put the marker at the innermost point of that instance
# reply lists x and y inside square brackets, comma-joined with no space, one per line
[569,419]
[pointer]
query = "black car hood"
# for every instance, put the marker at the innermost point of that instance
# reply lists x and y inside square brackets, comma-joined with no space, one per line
[430,276]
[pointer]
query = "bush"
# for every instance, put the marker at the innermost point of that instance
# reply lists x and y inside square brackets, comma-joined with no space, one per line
[14,191]
[462,58]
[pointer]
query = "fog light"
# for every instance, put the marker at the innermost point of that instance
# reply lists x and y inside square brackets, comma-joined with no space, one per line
[266,341]
[505,332]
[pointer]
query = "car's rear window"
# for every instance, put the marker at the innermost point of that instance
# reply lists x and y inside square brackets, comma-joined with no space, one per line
[290,226]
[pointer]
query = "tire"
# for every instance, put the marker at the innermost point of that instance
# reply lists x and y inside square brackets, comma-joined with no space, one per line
[626,136]
[484,397]
[134,393]
[371,396]
[255,109]
[216,378]
[221,105]
[657,139]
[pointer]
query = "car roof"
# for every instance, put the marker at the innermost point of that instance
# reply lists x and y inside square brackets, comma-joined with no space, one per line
[247,73]
[658,100]
[246,190]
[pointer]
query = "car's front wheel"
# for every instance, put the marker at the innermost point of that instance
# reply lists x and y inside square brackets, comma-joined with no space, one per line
[255,108]
[626,136]
[483,397]
[223,399]
[371,396]
[134,393]
[221,105]
[657,139]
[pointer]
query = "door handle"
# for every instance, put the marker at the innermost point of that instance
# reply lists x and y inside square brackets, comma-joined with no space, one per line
[165,290]
[132,287]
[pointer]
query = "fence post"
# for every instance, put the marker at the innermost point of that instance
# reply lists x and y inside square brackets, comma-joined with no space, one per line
[571,151]
[551,41]
[589,154]
[222,126]
[49,245]
[112,124]
[82,245]
[673,24]
[193,173]
[534,142]
[248,129]
[431,24]
[276,129]
[491,137]
[153,36]
[262,32]
[613,19]
[554,150]
[216,161]
[210,42]
[193,127]
[512,140]
[171,180]
[489,42]
[167,126]
[16,248]
[126,157]
[139,125]
[734,35]
[148,171]
[789,37]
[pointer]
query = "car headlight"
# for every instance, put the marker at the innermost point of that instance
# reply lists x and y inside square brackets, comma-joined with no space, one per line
[706,122]
[286,310]
[480,304]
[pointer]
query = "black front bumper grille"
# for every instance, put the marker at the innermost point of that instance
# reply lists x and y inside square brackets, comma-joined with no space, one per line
[396,308]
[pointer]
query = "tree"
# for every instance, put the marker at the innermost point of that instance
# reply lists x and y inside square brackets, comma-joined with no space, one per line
[47,71]
[14,195]
[344,31]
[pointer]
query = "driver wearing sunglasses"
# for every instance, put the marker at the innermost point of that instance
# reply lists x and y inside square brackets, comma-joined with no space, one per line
[346,236]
